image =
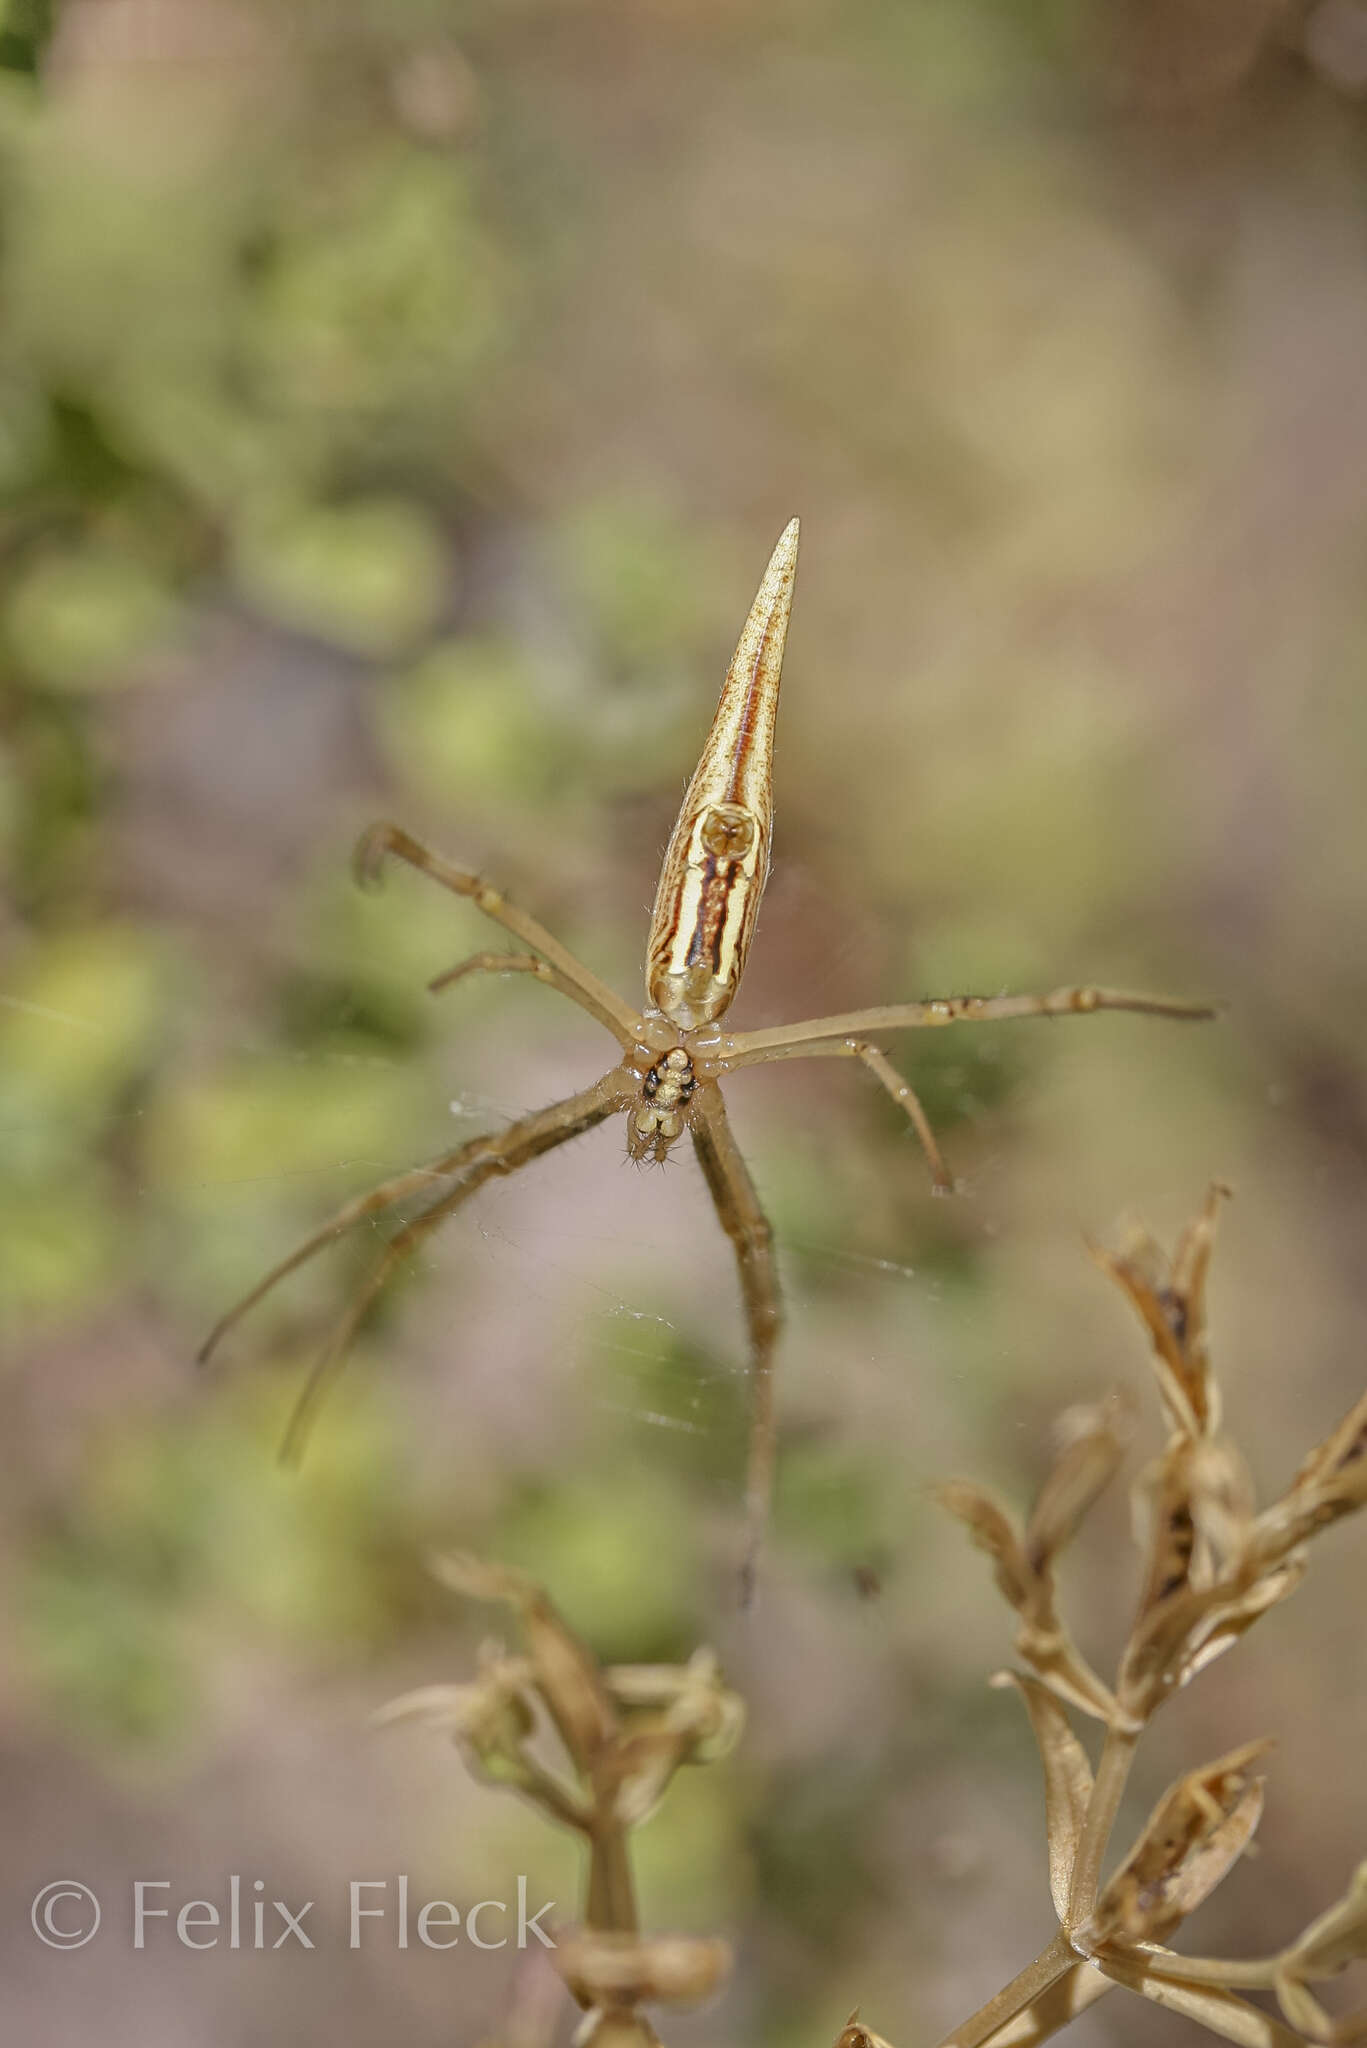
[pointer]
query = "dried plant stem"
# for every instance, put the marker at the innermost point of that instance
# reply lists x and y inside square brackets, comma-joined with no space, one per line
[612,1894]
[1049,1965]
[1251,1976]
[1215,2007]
[1213,1566]
[1113,1772]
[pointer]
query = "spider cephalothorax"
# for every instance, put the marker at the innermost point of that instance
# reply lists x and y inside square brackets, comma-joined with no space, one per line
[673,1055]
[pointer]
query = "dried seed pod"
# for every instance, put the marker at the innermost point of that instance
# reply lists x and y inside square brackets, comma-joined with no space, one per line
[1197,1499]
[1092,1442]
[1170,1296]
[1190,1629]
[1222,1509]
[1067,1780]
[697,1706]
[991,1529]
[1332,1482]
[1162,1497]
[567,1677]
[492,1722]
[1042,1640]
[639,1776]
[856,2036]
[1197,1831]
[492,1717]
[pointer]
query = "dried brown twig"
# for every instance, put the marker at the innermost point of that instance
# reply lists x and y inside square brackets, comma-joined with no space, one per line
[624,1733]
[1212,1566]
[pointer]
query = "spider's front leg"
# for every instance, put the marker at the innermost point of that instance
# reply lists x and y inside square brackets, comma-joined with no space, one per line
[567,973]
[743,1219]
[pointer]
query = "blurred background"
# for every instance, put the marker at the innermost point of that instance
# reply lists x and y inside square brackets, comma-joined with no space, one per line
[398,402]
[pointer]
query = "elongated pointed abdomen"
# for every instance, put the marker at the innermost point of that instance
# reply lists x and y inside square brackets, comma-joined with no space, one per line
[718,859]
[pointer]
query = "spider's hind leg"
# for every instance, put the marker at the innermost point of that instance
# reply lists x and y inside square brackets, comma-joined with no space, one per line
[482,1159]
[388,1195]
[743,1219]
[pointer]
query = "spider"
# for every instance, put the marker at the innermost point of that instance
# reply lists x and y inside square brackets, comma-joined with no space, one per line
[673,1054]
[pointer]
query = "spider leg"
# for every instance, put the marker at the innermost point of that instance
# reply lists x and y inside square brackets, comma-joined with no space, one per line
[575,980]
[484,1158]
[520,963]
[492,963]
[902,1093]
[374,1203]
[329,1360]
[795,1041]
[745,1223]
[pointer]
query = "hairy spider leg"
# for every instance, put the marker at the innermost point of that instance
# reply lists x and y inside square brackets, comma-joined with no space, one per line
[743,1219]
[503,1152]
[574,978]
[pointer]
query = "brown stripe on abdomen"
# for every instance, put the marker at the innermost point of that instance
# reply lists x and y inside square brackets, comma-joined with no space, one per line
[747,728]
[710,921]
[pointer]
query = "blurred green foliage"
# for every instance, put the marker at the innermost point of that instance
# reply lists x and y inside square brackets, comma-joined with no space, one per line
[25,26]
[179,1538]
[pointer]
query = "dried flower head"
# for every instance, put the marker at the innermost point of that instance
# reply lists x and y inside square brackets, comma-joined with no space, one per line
[1090,1454]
